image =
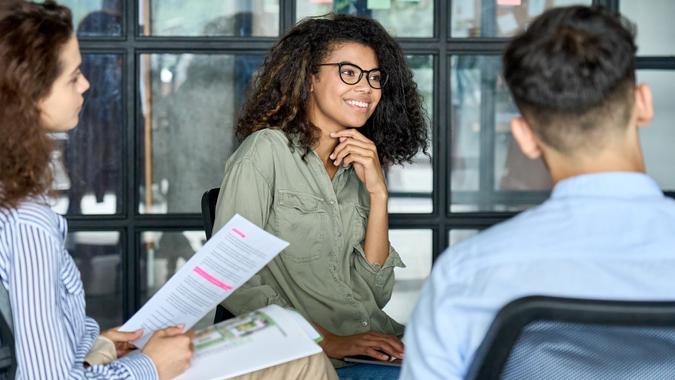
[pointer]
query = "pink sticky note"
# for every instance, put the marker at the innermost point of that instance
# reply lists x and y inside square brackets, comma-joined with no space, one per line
[514,3]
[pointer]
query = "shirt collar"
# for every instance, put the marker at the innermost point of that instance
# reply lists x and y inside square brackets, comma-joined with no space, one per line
[609,184]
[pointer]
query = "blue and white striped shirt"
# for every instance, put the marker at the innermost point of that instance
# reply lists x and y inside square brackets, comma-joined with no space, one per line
[51,331]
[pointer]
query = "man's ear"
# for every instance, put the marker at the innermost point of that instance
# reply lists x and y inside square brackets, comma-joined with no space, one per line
[644,108]
[527,141]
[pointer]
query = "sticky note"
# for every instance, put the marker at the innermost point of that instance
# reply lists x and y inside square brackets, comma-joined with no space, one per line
[379,4]
[514,3]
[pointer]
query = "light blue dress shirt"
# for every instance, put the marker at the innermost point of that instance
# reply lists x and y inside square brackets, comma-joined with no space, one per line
[607,236]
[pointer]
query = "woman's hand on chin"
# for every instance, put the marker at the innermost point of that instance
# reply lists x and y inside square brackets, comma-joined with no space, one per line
[357,150]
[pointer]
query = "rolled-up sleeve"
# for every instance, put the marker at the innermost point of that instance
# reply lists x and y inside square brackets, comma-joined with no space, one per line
[380,278]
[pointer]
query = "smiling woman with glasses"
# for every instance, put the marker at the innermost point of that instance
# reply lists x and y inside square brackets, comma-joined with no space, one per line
[334,103]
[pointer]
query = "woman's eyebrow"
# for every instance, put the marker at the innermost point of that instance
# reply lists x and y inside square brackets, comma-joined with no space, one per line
[76,70]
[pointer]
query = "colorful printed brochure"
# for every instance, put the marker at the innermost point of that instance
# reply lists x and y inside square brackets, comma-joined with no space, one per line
[260,339]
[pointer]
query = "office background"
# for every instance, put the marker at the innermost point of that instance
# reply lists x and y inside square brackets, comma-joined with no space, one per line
[168,77]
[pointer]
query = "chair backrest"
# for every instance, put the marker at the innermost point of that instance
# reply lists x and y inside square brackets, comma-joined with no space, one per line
[7,353]
[555,338]
[209,200]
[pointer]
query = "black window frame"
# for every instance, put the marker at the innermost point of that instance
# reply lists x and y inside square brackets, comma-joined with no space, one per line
[131,45]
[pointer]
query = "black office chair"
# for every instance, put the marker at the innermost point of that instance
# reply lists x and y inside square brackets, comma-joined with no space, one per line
[562,338]
[7,353]
[209,200]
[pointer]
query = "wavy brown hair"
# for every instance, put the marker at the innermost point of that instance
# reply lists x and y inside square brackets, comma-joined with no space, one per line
[280,92]
[31,38]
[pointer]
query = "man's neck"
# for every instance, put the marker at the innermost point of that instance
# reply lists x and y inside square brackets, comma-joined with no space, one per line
[611,159]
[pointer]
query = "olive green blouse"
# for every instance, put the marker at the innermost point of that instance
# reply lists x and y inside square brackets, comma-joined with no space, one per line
[323,274]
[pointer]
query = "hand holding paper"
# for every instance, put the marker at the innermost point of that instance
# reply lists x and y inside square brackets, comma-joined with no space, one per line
[234,254]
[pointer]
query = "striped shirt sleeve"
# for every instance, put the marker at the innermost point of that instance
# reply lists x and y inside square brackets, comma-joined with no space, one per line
[44,348]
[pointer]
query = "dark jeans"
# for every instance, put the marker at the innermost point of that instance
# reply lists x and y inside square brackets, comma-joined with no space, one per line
[368,372]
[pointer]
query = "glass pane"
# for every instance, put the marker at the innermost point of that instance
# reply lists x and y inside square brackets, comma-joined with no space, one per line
[88,165]
[655,29]
[189,105]
[488,171]
[98,256]
[657,139]
[415,248]
[401,18]
[410,185]
[96,17]
[457,235]
[162,255]
[498,18]
[209,18]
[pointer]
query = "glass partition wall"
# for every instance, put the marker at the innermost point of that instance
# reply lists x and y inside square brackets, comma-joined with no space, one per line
[168,78]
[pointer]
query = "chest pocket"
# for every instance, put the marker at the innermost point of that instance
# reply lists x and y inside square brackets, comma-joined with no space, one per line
[303,221]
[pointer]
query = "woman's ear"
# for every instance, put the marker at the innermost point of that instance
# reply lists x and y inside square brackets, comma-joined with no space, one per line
[644,107]
[525,137]
[312,78]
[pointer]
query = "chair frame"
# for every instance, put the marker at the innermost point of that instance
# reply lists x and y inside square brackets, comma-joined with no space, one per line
[494,351]
[209,200]
[7,353]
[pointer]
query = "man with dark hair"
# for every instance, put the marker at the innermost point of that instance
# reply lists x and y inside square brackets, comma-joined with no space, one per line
[606,232]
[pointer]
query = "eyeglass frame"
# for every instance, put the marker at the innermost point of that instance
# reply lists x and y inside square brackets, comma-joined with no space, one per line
[361,72]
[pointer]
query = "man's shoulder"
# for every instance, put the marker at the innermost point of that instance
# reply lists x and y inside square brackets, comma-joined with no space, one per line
[504,240]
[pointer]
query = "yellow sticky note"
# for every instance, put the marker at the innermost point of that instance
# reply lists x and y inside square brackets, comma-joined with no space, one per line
[379,4]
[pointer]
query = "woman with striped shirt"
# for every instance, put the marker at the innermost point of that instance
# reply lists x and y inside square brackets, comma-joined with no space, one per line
[41,89]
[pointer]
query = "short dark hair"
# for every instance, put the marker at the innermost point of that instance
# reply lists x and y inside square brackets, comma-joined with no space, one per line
[572,75]
[279,95]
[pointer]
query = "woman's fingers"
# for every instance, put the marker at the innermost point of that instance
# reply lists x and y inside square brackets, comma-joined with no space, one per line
[351,142]
[389,345]
[119,336]
[339,151]
[352,151]
[353,133]
[373,353]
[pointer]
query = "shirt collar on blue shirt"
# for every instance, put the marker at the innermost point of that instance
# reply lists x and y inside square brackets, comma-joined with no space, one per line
[608,184]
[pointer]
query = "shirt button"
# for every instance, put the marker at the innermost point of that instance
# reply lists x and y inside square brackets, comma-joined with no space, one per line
[331,202]
[364,323]
[339,234]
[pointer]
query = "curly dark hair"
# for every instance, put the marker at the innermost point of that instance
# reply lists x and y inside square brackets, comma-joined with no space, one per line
[31,38]
[279,95]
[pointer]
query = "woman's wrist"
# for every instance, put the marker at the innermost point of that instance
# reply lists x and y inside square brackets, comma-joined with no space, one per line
[379,195]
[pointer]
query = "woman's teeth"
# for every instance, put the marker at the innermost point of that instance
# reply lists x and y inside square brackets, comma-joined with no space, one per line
[357,103]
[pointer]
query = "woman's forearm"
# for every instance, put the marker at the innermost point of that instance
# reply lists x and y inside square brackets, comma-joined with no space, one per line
[377,232]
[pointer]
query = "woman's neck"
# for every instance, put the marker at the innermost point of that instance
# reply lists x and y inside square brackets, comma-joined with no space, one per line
[326,144]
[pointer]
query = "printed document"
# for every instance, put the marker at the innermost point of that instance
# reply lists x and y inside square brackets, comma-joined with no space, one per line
[232,256]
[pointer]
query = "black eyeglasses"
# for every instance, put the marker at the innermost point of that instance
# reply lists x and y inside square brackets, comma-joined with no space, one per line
[348,73]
